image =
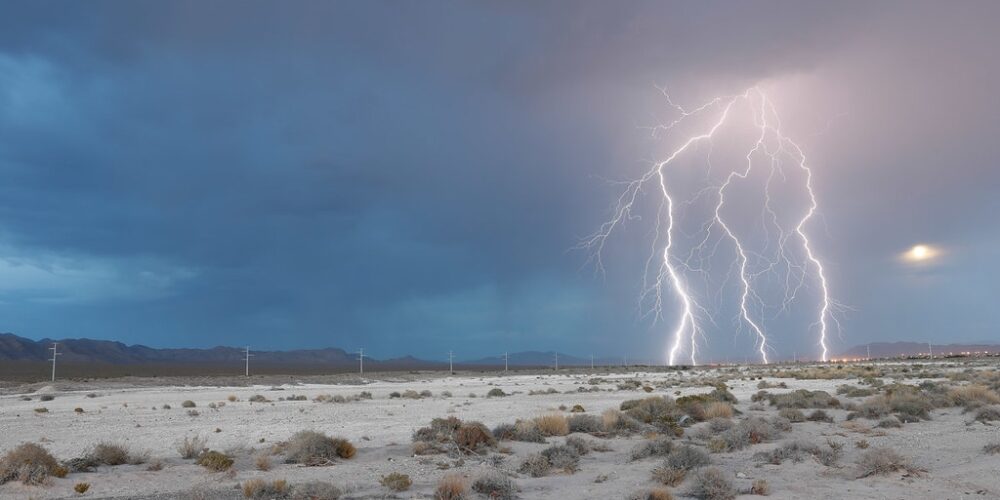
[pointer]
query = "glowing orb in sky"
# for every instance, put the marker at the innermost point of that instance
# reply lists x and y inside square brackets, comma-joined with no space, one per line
[921,253]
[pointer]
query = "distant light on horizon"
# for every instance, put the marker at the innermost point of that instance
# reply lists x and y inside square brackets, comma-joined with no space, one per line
[921,253]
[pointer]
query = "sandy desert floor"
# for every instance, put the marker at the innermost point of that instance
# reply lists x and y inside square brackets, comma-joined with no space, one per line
[946,451]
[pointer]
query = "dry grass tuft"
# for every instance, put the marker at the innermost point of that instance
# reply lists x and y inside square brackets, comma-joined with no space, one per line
[191,447]
[115,454]
[495,484]
[760,487]
[29,463]
[718,409]
[396,481]
[882,460]
[669,476]
[81,488]
[262,462]
[971,395]
[651,494]
[215,461]
[258,489]
[552,424]
[451,487]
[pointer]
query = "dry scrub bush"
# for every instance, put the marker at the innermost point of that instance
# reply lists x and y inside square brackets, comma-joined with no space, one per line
[882,460]
[669,476]
[711,483]
[562,457]
[718,409]
[115,454]
[316,448]
[651,494]
[81,488]
[396,481]
[751,430]
[191,447]
[262,462]
[799,399]
[451,487]
[890,422]
[991,448]
[495,484]
[657,447]
[258,489]
[552,425]
[451,434]
[496,392]
[579,444]
[588,424]
[215,461]
[535,465]
[29,463]
[972,395]
[188,404]
[617,423]
[686,458]
[315,490]
[796,451]
[988,414]
[760,487]
[794,415]
[819,416]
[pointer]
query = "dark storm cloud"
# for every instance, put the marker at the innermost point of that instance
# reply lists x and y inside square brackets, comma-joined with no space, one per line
[411,174]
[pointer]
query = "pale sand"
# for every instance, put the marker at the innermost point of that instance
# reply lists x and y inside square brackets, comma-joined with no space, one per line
[949,450]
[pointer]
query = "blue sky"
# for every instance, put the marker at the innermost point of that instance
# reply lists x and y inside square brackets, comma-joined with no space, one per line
[411,177]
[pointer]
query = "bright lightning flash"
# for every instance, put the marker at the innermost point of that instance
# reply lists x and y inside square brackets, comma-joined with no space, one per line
[798,265]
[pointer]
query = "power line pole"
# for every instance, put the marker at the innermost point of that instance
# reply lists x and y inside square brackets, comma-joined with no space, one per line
[869,357]
[55,353]
[591,362]
[451,362]
[361,359]
[930,350]
[557,360]
[505,357]
[625,358]
[247,359]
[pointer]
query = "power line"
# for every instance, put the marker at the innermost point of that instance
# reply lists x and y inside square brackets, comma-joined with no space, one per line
[361,359]
[505,358]
[247,359]
[451,362]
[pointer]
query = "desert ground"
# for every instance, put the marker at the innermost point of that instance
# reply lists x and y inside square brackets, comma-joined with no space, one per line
[904,430]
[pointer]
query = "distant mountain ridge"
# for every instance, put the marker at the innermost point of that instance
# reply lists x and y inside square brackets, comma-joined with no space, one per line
[894,349]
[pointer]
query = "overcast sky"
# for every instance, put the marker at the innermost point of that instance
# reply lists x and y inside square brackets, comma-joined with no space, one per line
[411,176]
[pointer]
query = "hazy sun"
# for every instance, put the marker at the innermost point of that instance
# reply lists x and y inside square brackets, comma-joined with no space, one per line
[920,253]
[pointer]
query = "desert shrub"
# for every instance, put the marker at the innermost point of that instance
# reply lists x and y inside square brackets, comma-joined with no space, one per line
[262,462]
[668,475]
[562,457]
[711,483]
[315,490]
[394,395]
[257,398]
[191,447]
[819,416]
[797,451]
[46,397]
[584,423]
[426,394]
[496,392]
[991,448]
[875,407]
[215,461]
[411,394]
[663,413]
[535,465]
[474,437]
[854,392]
[579,444]
[115,454]
[451,487]
[973,395]
[657,447]
[760,487]
[232,398]
[763,384]
[77,410]
[988,413]
[41,410]
[882,460]
[81,488]
[686,458]
[258,489]
[651,494]
[29,463]
[890,422]
[577,409]
[495,484]
[396,481]
[618,423]
[188,404]
[802,399]
[315,448]
[751,430]
[792,414]
[552,425]
[718,409]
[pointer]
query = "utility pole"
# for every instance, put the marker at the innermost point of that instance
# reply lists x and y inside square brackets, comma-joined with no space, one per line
[795,357]
[505,357]
[247,359]
[869,357]
[55,353]
[591,362]
[930,350]
[451,362]
[361,360]
[557,361]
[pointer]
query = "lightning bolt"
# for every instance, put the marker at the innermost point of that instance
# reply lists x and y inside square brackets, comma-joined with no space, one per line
[670,270]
